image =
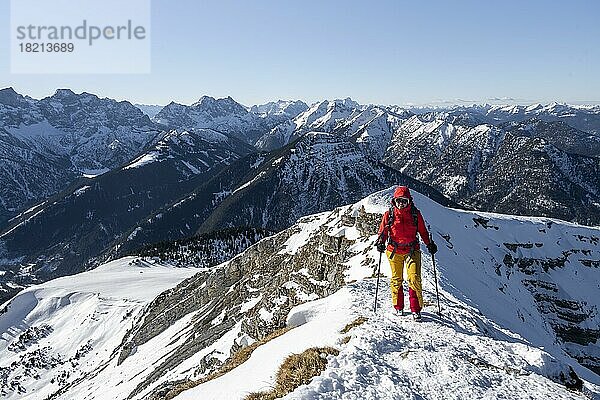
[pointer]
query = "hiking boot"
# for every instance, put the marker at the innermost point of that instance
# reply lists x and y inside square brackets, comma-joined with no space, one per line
[416,316]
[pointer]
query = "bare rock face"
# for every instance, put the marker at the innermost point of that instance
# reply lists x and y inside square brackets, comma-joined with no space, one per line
[572,320]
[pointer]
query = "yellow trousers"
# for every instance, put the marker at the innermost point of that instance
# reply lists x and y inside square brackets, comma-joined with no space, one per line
[413,273]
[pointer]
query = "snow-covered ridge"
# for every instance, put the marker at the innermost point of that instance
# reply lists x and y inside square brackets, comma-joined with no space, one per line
[223,115]
[389,357]
[290,108]
[517,295]
[323,116]
[193,145]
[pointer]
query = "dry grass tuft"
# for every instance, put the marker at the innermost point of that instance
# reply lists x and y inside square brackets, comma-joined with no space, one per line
[260,396]
[237,359]
[296,370]
[358,321]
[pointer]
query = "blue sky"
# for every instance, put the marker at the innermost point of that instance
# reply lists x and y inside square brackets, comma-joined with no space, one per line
[387,52]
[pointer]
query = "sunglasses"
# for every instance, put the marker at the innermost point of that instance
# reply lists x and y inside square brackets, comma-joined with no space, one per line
[402,200]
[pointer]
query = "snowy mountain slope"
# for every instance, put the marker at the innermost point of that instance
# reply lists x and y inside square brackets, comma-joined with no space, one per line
[390,358]
[65,135]
[316,323]
[323,117]
[64,235]
[372,129]
[560,134]
[130,365]
[584,118]
[317,172]
[27,175]
[520,315]
[223,115]
[518,171]
[277,137]
[290,108]
[182,217]
[510,286]
[65,328]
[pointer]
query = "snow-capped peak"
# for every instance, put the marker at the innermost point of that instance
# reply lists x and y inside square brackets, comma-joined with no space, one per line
[9,97]
[63,93]
[347,102]
[290,108]
[219,107]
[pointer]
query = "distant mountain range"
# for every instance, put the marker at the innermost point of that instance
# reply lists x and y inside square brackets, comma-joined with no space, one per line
[149,109]
[47,144]
[527,168]
[224,115]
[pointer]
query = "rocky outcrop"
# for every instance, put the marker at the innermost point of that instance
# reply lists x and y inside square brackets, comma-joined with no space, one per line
[254,292]
[573,321]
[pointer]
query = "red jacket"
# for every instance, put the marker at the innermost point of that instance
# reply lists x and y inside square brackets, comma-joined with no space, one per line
[403,229]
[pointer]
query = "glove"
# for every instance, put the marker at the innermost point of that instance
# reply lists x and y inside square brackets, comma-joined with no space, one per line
[432,247]
[380,244]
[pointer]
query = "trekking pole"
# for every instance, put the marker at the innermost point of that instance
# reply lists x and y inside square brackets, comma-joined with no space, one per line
[377,287]
[437,293]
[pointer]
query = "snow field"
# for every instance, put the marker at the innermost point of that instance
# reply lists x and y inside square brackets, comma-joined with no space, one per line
[443,357]
[89,314]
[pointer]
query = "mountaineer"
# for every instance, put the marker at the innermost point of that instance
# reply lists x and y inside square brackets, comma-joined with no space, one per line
[398,238]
